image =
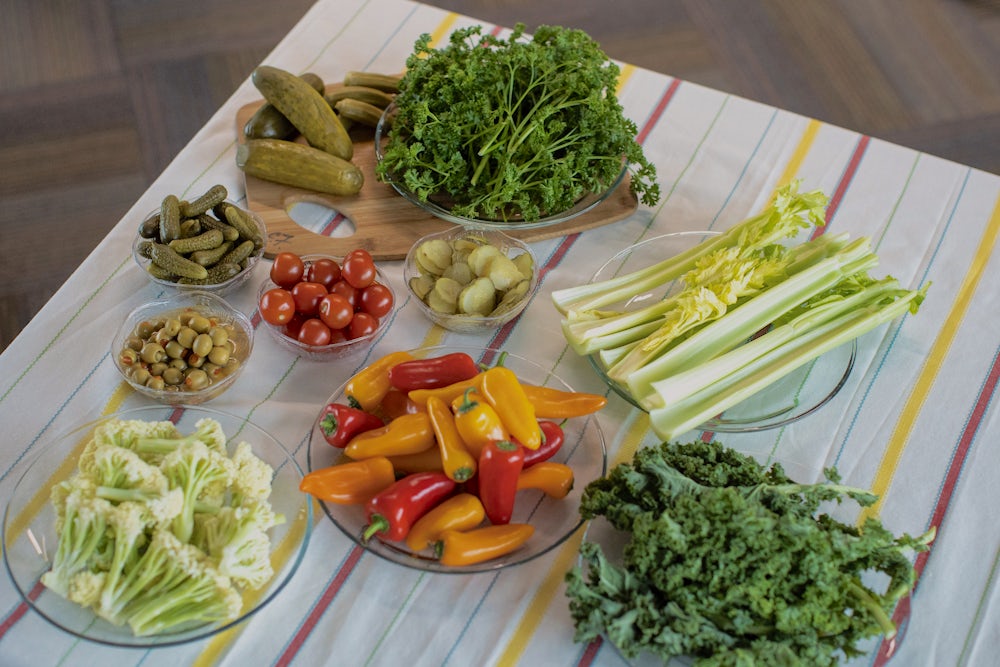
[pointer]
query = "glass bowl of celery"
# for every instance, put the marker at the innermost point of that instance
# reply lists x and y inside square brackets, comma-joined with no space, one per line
[154,556]
[785,399]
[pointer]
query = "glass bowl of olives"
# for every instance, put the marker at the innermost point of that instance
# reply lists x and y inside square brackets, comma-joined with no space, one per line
[185,349]
[470,280]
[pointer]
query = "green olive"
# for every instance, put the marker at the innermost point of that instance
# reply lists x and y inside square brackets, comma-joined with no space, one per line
[155,382]
[202,345]
[158,368]
[196,360]
[172,326]
[139,375]
[200,323]
[128,357]
[219,355]
[161,338]
[173,376]
[144,329]
[134,343]
[219,335]
[196,379]
[152,353]
[179,364]
[186,336]
[214,371]
[175,350]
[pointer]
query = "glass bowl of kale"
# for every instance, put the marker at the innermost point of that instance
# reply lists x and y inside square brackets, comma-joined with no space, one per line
[511,133]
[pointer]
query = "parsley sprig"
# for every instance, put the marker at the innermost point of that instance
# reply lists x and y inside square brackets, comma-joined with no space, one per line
[516,128]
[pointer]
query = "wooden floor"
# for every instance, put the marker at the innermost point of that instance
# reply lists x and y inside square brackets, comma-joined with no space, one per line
[97,96]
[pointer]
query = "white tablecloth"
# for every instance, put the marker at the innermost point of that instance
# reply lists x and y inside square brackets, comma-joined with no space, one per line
[916,421]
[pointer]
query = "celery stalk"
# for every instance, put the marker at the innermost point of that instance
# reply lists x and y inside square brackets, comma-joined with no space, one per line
[789,213]
[678,417]
[650,360]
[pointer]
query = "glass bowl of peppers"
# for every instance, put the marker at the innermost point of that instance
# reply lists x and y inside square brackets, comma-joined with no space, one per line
[455,460]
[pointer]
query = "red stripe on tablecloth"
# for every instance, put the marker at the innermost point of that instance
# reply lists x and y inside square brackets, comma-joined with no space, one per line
[902,614]
[845,182]
[831,210]
[590,653]
[658,110]
[320,608]
[21,609]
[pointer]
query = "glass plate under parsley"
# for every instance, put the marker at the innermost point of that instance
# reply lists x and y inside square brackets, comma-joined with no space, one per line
[441,206]
[789,399]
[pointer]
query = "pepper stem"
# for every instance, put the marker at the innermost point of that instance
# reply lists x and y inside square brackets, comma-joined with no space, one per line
[376,524]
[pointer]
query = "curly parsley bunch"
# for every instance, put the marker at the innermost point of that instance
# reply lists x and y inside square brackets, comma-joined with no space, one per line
[512,129]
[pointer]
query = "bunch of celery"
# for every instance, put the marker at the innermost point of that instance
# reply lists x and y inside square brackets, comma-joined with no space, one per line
[700,350]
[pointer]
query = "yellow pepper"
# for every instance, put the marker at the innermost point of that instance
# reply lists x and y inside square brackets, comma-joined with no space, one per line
[406,434]
[461,512]
[369,386]
[504,392]
[456,548]
[553,479]
[477,422]
[456,460]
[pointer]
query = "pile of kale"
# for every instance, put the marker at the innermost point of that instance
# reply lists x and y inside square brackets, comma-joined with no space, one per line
[734,564]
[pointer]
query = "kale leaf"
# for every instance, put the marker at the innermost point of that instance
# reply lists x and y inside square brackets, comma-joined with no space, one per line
[733,564]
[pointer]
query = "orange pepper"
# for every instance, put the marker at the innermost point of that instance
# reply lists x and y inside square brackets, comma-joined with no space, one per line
[428,460]
[460,512]
[456,460]
[369,386]
[553,479]
[446,394]
[406,434]
[552,403]
[504,392]
[477,422]
[456,548]
[350,483]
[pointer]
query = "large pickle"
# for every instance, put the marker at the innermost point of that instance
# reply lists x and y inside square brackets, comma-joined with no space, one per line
[269,123]
[305,108]
[301,166]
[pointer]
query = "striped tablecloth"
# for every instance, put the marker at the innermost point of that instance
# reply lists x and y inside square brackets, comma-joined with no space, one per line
[915,421]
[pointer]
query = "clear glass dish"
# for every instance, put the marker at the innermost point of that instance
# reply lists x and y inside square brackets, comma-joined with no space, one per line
[555,520]
[463,323]
[222,288]
[30,537]
[333,351]
[794,396]
[208,304]
[441,206]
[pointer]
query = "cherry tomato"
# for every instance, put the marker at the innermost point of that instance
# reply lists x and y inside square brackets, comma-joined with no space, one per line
[292,328]
[335,311]
[314,332]
[376,300]
[361,324]
[324,271]
[277,306]
[307,297]
[287,269]
[358,269]
[344,289]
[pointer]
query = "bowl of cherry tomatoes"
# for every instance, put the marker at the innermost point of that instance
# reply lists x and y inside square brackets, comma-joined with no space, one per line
[323,307]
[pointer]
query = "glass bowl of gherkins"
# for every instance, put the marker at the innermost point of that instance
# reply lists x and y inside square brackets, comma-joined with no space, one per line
[186,246]
[185,349]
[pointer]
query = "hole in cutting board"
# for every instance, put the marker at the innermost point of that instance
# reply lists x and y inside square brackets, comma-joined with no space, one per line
[321,219]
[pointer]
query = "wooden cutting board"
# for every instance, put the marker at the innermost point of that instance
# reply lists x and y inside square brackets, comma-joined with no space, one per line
[384,222]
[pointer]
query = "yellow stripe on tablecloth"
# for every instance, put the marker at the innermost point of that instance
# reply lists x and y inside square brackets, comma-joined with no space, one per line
[443,28]
[799,154]
[928,373]
[20,522]
[623,76]
[533,616]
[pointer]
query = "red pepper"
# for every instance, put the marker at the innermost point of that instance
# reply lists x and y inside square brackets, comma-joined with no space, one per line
[393,512]
[552,440]
[433,372]
[339,423]
[500,465]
